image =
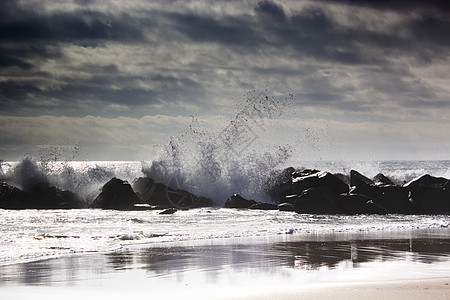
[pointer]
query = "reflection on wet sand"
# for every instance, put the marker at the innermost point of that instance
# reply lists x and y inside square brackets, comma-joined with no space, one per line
[213,260]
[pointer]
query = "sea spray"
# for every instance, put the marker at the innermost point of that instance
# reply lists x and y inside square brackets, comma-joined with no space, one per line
[217,164]
[81,177]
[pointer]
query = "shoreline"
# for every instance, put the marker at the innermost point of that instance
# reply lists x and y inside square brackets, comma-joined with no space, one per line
[436,288]
[430,288]
[281,267]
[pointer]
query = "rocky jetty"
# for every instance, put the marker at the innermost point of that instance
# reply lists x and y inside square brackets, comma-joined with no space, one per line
[308,191]
[317,192]
[39,196]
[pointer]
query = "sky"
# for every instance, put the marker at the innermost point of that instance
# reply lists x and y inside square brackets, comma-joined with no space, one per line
[115,80]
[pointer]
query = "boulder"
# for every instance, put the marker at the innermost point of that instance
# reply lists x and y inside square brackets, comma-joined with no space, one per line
[353,204]
[163,196]
[144,188]
[289,199]
[304,172]
[280,184]
[394,199]
[380,179]
[317,200]
[168,211]
[237,201]
[11,197]
[264,206]
[43,196]
[433,201]
[429,195]
[373,207]
[360,183]
[116,194]
[319,179]
[425,182]
[286,207]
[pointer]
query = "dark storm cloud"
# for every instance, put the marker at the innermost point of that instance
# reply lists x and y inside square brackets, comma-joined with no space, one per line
[229,31]
[32,35]
[397,5]
[19,24]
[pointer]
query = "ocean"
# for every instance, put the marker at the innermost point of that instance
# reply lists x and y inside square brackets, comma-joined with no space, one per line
[27,235]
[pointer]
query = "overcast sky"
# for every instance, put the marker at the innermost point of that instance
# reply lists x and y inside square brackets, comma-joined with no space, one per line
[115,79]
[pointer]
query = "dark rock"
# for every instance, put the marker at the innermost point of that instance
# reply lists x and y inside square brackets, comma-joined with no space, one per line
[317,200]
[184,200]
[433,201]
[168,211]
[11,197]
[394,199]
[344,178]
[357,178]
[286,207]
[279,185]
[116,194]
[334,184]
[144,188]
[425,182]
[353,204]
[44,196]
[380,179]
[264,206]
[428,195]
[362,184]
[236,201]
[289,199]
[320,179]
[304,172]
[373,207]
[40,196]
[163,196]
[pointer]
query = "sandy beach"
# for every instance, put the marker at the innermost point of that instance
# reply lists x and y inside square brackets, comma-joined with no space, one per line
[406,289]
[282,267]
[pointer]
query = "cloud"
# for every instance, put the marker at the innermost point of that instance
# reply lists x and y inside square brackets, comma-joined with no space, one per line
[353,61]
[134,137]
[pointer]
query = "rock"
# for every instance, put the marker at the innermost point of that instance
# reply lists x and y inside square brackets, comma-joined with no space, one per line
[116,194]
[40,196]
[11,197]
[373,207]
[425,182]
[289,199]
[286,207]
[433,201]
[320,179]
[360,183]
[161,195]
[353,204]
[168,211]
[380,179]
[344,178]
[236,201]
[317,200]
[144,188]
[394,199]
[429,195]
[264,206]
[280,185]
[304,173]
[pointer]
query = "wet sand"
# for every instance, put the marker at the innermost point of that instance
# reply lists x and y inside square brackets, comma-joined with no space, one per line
[399,290]
[413,265]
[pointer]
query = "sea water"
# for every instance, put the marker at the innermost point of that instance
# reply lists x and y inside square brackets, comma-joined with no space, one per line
[35,234]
